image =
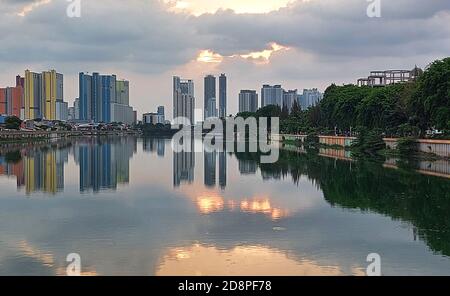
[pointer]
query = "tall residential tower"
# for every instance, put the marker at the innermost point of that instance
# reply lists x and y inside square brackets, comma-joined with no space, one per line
[222,96]
[210,97]
[43,95]
[183,99]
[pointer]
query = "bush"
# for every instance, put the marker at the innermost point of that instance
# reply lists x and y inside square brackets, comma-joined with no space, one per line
[369,143]
[407,146]
[312,139]
[13,122]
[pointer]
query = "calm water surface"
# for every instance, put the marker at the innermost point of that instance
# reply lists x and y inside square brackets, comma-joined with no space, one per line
[134,207]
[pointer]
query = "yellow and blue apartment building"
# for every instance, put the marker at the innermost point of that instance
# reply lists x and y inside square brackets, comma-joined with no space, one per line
[41,94]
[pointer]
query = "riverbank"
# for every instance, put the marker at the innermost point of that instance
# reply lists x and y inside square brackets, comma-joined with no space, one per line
[426,148]
[26,136]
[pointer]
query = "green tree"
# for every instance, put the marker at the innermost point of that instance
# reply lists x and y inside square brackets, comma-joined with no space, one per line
[13,122]
[431,102]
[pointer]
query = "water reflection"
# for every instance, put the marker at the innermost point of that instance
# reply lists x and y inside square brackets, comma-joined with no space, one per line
[144,210]
[104,164]
[247,167]
[36,169]
[183,167]
[203,260]
[155,144]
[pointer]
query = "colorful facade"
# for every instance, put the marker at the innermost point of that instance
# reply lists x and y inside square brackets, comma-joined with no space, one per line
[97,92]
[3,101]
[42,92]
[11,101]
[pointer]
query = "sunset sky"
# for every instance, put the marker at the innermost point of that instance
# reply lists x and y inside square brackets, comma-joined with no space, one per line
[297,43]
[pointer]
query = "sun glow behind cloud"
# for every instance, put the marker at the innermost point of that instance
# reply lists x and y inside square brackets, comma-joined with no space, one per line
[260,57]
[30,7]
[199,7]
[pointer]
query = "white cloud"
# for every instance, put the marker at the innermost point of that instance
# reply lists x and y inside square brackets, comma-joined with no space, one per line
[199,7]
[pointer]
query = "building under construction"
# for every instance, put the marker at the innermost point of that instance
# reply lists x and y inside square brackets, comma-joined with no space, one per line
[383,78]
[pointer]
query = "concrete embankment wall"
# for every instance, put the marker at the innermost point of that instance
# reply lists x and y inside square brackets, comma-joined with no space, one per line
[438,147]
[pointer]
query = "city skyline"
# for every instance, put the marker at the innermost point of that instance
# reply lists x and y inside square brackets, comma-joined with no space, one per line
[249,43]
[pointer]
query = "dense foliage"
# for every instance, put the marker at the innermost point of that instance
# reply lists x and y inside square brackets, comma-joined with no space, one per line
[12,122]
[400,110]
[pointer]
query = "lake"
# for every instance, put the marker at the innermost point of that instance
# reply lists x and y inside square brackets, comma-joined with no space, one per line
[132,206]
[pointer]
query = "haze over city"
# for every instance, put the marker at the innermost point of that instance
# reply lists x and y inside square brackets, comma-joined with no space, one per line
[299,44]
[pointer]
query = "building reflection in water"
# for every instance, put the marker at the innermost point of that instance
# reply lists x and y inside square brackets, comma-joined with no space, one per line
[210,168]
[247,167]
[105,164]
[223,169]
[153,144]
[37,170]
[184,166]
[13,168]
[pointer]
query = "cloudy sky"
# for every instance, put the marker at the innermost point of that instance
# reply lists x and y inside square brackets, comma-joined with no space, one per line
[297,43]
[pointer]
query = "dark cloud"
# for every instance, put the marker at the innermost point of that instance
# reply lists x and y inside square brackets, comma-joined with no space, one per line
[331,40]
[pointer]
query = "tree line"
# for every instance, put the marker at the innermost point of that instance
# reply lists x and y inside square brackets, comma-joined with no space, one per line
[400,110]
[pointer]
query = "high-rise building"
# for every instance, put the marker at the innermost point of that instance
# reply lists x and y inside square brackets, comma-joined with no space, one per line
[120,107]
[41,94]
[3,104]
[52,92]
[309,98]
[20,81]
[153,118]
[223,96]
[62,111]
[10,101]
[33,102]
[210,97]
[122,92]
[108,96]
[161,110]
[248,101]
[71,113]
[76,107]
[96,94]
[212,110]
[162,113]
[135,116]
[183,99]
[271,95]
[289,98]
[104,99]
[86,97]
